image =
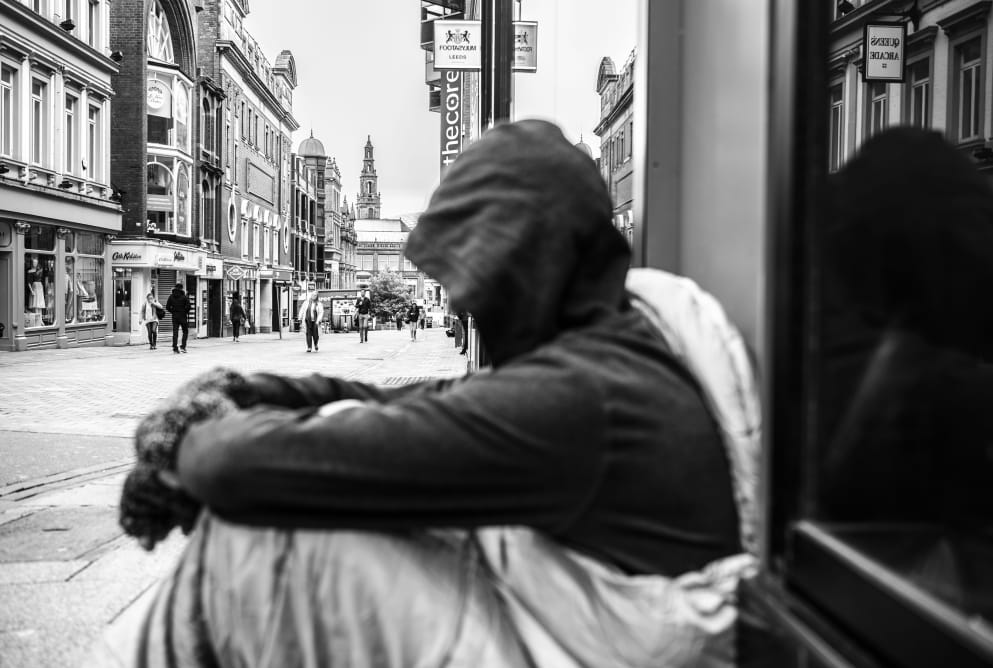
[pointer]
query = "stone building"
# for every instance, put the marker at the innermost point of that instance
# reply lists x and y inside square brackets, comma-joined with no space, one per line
[304,238]
[946,87]
[616,130]
[58,208]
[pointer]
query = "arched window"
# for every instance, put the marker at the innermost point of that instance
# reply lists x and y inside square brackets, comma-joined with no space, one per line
[232,222]
[159,37]
[370,212]
[159,179]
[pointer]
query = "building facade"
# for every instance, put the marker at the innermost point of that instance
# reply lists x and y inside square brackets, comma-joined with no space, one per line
[304,238]
[155,160]
[948,78]
[616,131]
[251,193]
[58,209]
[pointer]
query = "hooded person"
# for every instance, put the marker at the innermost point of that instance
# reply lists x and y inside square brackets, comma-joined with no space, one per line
[588,433]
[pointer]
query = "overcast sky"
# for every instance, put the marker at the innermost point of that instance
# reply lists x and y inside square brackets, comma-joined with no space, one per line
[360,72]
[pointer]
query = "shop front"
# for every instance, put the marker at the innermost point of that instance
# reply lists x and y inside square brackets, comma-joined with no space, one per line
[148,266]
[243,279]
[282,281]
[211,314]
[54,286]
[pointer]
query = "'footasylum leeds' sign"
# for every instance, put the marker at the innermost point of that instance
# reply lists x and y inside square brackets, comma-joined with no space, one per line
[457,45]
[883,49]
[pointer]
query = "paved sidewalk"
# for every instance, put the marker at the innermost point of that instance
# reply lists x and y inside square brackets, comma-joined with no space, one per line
[66,570]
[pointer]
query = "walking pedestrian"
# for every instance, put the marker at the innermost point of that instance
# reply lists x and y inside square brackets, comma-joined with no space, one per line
[464,326]
[178,305]
[399,320]
[312,313]
[363,305]
[413,316]
[151,312]
[237,315]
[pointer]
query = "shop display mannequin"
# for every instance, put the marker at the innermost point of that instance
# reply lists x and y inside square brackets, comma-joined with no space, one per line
[34,282]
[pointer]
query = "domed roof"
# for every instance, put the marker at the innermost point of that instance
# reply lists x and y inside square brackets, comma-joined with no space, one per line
[584,147]
[311,147]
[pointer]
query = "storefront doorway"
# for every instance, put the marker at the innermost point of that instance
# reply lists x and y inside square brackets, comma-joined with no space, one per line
[6,331]
[215,308]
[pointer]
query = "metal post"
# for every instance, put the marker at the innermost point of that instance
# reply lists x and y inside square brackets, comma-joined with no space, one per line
[497,58]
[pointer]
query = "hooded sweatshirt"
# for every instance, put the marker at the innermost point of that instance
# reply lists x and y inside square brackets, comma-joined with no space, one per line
[585,428]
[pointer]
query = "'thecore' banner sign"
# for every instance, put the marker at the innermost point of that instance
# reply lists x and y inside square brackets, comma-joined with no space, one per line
[451,116]
[883,49]
[458,45]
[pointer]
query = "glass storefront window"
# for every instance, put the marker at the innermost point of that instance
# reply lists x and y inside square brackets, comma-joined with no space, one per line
[40,237]
[84,278]
[89,296]
[39,289]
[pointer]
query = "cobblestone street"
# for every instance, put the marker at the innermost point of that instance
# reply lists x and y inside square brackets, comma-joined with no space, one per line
[66,419]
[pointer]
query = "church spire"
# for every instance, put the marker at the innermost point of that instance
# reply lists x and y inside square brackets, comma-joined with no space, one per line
[368,204]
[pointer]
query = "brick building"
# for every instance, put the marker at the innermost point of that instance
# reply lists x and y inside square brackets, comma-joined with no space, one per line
[247,180]
[58,209]
[616,130]
[155,162]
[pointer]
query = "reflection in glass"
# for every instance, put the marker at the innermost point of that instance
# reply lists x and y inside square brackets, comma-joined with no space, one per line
[906,381]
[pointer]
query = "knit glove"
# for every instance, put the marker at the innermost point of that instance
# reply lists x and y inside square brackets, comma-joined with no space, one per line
[152,502]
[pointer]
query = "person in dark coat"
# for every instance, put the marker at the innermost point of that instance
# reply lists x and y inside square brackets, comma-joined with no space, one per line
[178,305]
[587,430]
[237,315]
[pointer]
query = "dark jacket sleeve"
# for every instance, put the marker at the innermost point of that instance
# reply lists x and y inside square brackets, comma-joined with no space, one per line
[515,446]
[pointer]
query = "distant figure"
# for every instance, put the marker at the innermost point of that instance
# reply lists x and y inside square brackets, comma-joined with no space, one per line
[237,315]
[464,326]
[151,312]
[312,313]
[363,305]
[178,305]
[399,320]
[413,316]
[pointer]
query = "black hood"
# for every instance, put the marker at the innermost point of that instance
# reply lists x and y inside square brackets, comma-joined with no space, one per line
[178,291]
[911,239]
[519,232]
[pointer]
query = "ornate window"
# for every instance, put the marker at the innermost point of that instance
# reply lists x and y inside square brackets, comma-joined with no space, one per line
[159,37]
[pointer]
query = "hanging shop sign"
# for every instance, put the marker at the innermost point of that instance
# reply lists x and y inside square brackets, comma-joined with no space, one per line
[458,45]
[883,50]
[158,98]
[297,288]
[525,46]
[237,273]
[452,110]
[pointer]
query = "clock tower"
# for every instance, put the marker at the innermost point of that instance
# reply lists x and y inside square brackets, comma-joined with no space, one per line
[368,204]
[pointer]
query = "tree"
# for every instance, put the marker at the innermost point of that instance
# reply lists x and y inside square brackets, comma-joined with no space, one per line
[389,295]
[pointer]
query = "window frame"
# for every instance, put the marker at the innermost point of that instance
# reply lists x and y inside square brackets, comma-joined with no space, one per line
[10,121]
[957,68]
[912,87]
[874,102]
[39,113]
[70,143]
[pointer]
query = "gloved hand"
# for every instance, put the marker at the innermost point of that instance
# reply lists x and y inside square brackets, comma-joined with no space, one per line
[152,502]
